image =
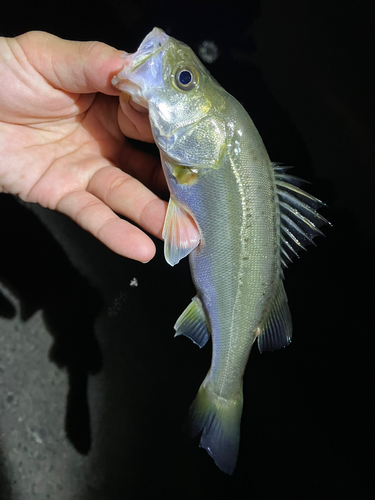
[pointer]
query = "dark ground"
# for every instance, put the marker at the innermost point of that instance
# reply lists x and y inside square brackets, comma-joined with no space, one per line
[94,390]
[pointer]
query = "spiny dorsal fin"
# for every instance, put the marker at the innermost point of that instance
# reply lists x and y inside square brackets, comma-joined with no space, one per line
[299,219]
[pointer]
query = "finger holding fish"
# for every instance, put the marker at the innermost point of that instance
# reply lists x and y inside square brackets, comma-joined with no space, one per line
[133,119]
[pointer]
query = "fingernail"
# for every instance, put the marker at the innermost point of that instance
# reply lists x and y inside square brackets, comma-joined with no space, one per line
[122,53]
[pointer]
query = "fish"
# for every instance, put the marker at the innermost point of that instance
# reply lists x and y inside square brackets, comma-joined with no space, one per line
[239,217]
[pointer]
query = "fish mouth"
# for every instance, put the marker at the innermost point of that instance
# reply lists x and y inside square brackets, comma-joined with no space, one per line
[141,69]
[131,88]
[153,43]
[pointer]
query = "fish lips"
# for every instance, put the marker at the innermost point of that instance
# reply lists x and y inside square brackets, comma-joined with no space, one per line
[153,43]
[142,70]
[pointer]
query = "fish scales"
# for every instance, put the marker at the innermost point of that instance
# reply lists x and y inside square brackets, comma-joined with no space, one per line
[235,283]
[238,217]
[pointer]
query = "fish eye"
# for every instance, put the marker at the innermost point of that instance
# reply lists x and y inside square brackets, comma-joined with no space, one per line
[186,79]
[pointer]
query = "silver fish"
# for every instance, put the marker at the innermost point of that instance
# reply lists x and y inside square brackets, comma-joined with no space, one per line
[239,216]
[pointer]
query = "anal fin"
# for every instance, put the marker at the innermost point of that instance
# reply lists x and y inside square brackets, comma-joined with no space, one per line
[192,323]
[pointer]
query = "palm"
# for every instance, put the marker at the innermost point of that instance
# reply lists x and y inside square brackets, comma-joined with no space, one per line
[66,151]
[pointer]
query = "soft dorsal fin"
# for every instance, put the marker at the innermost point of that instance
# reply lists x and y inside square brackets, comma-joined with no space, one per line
[277,327]
[180,233]
[299,219]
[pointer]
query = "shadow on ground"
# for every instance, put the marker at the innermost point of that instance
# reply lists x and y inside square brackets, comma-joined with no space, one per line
[36,270]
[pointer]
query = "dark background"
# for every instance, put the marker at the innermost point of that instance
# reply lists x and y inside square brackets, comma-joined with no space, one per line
[95,390]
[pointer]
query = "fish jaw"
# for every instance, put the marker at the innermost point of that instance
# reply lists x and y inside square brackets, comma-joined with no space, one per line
[142,70]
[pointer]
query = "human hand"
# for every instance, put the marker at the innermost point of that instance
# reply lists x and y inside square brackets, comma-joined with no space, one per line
[62,141]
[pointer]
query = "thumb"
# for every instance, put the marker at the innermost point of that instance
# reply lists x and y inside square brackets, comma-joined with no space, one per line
[79,67]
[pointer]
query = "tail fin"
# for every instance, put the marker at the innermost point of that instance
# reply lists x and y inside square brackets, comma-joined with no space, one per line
[220,420]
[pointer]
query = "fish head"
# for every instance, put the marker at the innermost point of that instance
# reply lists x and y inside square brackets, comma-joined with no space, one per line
[183,99]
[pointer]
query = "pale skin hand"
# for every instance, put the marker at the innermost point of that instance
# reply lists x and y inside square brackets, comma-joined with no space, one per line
[63,145]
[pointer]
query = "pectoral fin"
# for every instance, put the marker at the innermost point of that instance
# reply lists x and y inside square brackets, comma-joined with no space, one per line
[180,233]
[192,323]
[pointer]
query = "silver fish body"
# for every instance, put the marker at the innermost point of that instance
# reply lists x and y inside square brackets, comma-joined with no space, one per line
[236,266]
[239,216]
